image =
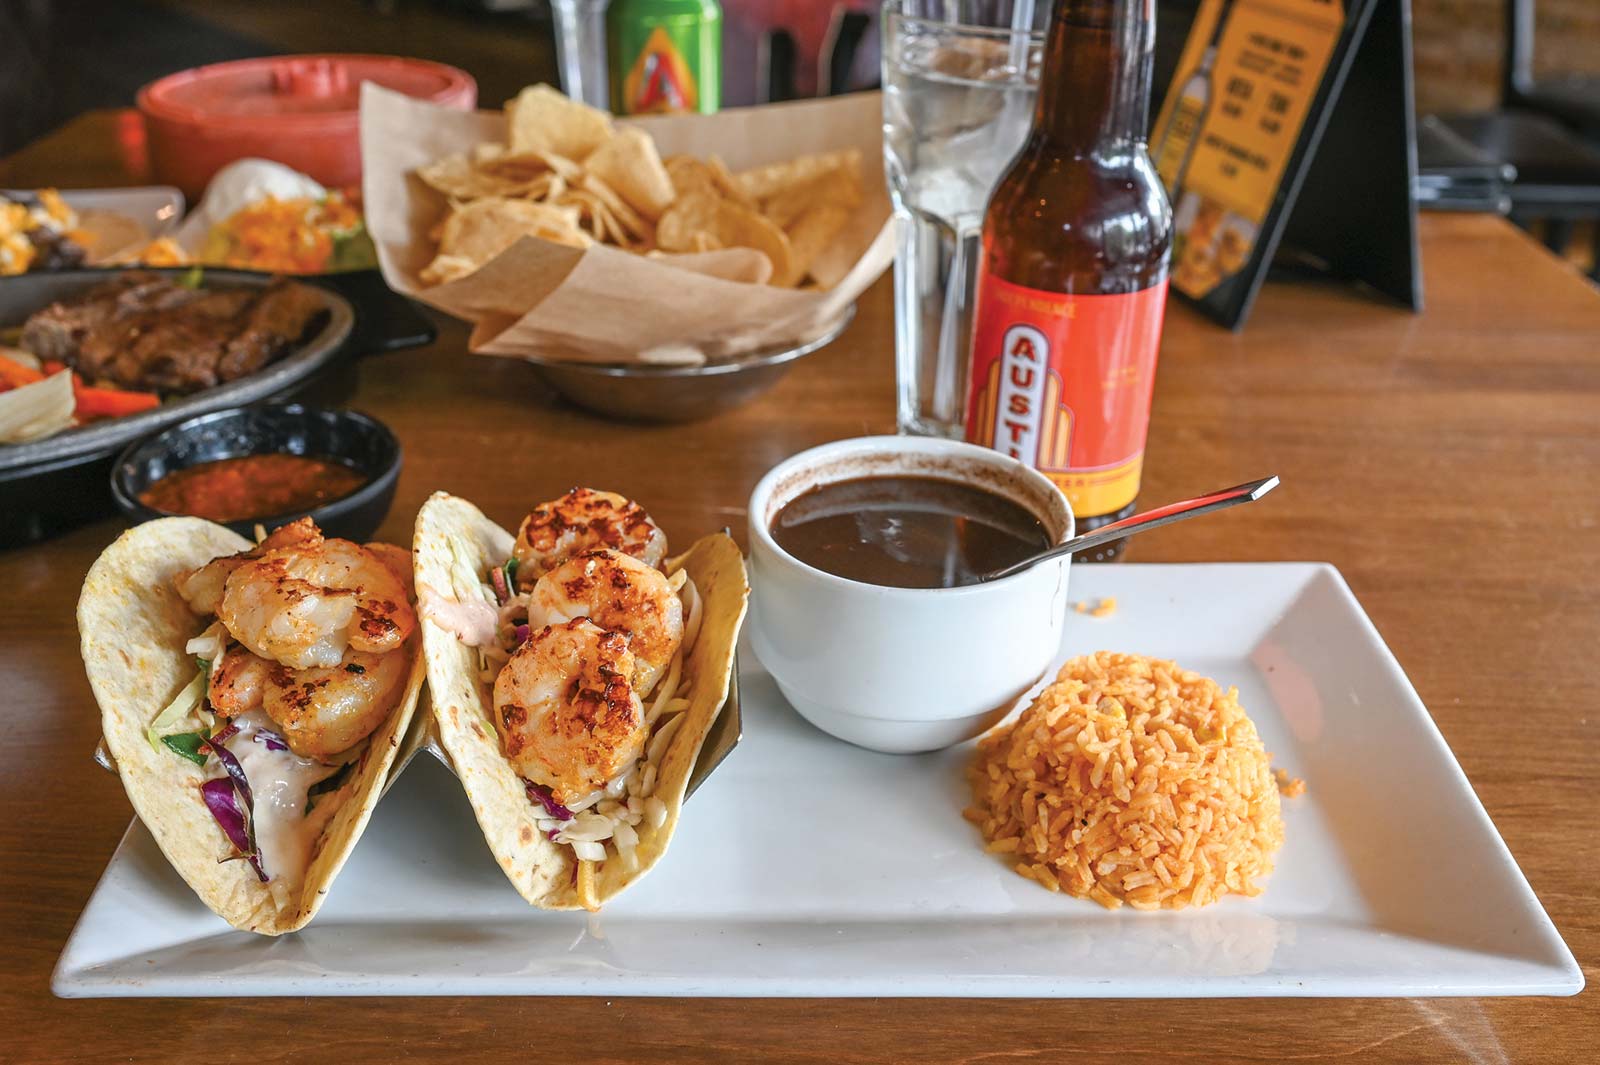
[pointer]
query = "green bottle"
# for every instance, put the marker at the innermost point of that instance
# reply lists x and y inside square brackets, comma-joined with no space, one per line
[665,55]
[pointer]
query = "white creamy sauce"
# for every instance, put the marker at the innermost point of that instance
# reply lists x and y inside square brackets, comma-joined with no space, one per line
[474,623]
[279,781]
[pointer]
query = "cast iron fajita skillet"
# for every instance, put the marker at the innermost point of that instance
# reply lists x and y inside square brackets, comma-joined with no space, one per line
[49,485]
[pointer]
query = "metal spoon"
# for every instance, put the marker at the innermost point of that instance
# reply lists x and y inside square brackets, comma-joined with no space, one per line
[1138,523]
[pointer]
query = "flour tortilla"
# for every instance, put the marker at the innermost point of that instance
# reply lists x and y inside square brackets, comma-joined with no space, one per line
[132,627]
[455,547]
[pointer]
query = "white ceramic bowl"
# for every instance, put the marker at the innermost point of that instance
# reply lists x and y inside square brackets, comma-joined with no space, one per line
[903,669]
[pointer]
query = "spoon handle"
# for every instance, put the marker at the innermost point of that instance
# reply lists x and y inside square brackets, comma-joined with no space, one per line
[1150,519]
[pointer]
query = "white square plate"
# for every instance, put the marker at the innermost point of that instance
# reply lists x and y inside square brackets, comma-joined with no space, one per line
[808,867]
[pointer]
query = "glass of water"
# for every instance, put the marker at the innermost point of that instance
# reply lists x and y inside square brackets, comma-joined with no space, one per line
[959,79]
[580,30]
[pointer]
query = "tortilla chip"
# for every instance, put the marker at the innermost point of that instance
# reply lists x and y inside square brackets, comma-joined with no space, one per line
[593,215]
[543,186]
[132,627]
[744,228]
[456,545]
[764,182]
[541,119]
[591,212]
[454,175]
[701,222]
[687,174]
[630,164]
[726,183]
[695,213]
[831,188]
[813,234]
[604,218]
[478,231]
[531,163]
[690,174]
[632,221]
[446,268]
[460,179]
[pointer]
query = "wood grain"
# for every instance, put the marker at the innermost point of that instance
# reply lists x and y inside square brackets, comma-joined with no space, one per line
[1448,464]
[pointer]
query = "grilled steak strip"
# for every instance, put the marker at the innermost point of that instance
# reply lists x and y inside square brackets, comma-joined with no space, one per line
[282,316]
[143,331]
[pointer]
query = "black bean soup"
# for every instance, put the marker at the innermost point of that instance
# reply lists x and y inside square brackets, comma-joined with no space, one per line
[907,532]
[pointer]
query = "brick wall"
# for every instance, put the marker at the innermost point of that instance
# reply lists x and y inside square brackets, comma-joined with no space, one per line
[1459,46]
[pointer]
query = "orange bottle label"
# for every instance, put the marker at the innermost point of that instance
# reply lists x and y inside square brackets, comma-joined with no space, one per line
[1063,383]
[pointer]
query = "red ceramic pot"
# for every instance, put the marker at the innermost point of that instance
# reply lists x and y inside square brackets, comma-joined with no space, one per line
[302,111]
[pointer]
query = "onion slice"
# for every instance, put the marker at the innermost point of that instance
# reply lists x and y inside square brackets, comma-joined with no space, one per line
[36,410]
[210,644]
[588,851]
[21,356]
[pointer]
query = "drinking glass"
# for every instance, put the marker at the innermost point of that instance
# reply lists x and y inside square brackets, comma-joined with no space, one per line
[580,27]
[959,80]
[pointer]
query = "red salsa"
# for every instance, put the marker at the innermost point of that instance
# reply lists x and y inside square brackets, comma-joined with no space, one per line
[252,486]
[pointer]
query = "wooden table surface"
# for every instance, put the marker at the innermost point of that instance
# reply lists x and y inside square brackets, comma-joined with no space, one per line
[1447,463]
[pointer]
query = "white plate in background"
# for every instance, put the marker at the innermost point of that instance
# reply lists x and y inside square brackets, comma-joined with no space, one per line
[128,218]
[808,867]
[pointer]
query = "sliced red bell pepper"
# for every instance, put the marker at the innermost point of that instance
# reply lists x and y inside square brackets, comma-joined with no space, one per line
[110,402]
[15,375]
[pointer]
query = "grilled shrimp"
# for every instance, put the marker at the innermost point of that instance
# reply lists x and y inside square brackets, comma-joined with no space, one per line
[202,588]
[303,605]
[582,520]
[621,594]
[323,711]
[398,561]
[319,711]
[237,682]
[567,715]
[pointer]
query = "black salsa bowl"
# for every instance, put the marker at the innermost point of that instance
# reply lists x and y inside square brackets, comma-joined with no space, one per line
[355,439]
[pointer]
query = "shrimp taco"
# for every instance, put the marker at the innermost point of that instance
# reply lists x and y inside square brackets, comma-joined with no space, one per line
[253,697]
[575,671]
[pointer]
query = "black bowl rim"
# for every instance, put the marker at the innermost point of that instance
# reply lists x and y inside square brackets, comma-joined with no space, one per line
[737,364]
[377,481]
[104,438]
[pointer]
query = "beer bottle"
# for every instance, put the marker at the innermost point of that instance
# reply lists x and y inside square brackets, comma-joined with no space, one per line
[1174,146]
[665,55]
[1073,273]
